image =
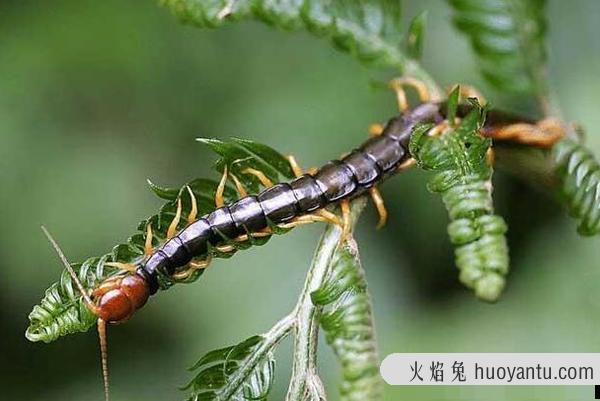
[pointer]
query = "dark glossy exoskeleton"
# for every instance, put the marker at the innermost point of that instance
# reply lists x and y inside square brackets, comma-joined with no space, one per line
[375,160]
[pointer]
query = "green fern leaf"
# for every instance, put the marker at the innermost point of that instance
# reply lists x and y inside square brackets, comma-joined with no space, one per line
[62,310]
[580,174]
[508,38]
[347,320]
[243,372]
[416,36]
[368,29]
[463,178]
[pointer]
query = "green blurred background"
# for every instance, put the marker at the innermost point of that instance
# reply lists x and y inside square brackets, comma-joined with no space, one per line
[97,96]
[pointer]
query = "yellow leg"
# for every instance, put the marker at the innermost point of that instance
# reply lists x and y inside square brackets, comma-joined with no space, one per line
[194,209]
[173,226]
[328,216]
[376,129]
[378,201]
[302,220]
[543,134]
[295,166]
[193,266]
[257,234]
[439,129]
[225,248]
[297,169]
[405,165]
[345,206]
[238,186]
[398,85]
[264,180]
[148,249]
[219,200]
[122,266]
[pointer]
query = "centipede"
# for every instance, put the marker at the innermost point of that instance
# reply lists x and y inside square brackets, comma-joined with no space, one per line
[267,208]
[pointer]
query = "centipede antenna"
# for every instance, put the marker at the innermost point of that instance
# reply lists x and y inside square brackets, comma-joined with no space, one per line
[104,356]
[65,262]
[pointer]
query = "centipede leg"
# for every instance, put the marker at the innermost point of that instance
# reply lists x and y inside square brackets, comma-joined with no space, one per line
[398,85]
[380,205]
[407,164]
[194,208]
[439,129]
[302,220]
[543,134]
[148,249]
[108,285]
[225,248]
[264,180]
[295,166]
[219,199]
[238,186]
[375,129]
[554,131]
[345,207]
[258,234]
[131,268]
[328,216]
[193,266]
[173,226]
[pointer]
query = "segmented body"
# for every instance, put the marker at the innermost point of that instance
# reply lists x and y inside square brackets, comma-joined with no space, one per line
[240,224]
[375,160]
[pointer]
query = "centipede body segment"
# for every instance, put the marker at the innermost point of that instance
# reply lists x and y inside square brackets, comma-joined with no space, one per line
[375,160]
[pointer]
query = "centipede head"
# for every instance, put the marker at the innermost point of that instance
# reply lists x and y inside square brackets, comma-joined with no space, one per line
[114,301]
[117,298]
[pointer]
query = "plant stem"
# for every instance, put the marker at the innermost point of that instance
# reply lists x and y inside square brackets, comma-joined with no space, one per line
[305,380]
[271,338]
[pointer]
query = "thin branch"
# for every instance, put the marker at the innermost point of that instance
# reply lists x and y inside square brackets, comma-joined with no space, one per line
[271,338]
[305,380]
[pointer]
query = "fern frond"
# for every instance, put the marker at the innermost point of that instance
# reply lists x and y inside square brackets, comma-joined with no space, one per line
[62,310]
[508,38]
[347,320]
[463,178]
[369,30]
[580,174]
[243,372]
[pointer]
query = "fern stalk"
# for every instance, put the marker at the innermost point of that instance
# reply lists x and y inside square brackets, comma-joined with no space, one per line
[369,30]
[305,383]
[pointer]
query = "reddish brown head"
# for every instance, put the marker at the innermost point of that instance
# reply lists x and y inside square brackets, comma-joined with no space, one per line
[118,298]
[114,301]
